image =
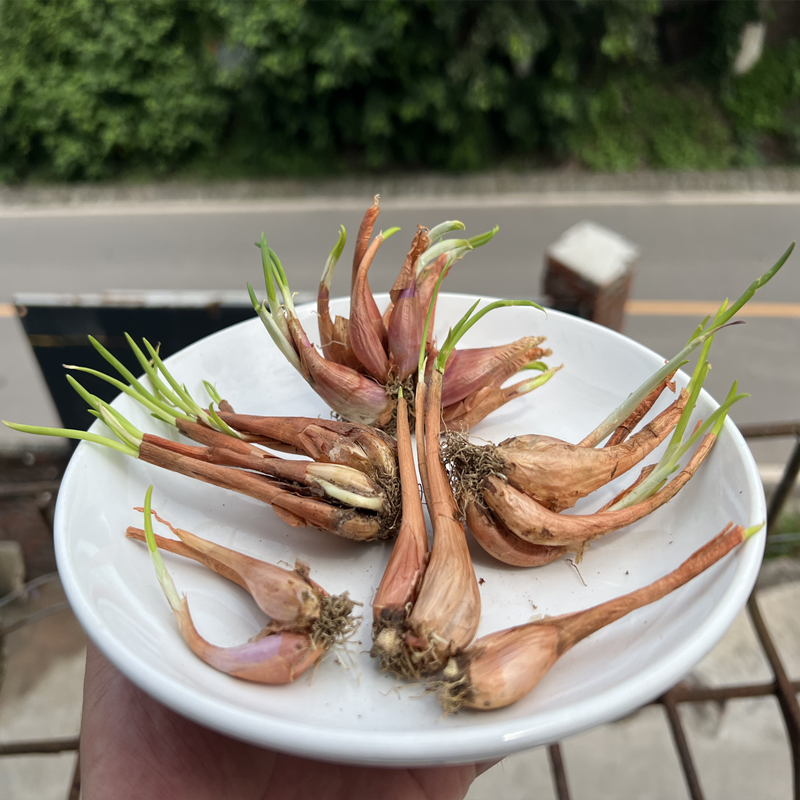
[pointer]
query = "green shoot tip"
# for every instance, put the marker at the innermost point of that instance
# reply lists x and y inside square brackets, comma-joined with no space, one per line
[253,299]
[752,530]
[437,231]
[483,238]
[468,320]
[337,250]
[148,521]
[538,366]
[164,578]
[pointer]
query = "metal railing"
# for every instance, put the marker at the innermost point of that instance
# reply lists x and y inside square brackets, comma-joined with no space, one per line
[37,746]
[781,687]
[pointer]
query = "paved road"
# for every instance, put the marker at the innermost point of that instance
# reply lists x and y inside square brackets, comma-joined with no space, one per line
[693,248]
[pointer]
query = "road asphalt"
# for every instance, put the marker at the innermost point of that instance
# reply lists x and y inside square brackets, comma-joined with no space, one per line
[694,246]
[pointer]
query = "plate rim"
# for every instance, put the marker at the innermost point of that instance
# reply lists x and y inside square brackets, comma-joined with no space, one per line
[427,748]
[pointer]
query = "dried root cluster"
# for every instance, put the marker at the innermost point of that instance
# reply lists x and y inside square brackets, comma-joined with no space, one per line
[384,371]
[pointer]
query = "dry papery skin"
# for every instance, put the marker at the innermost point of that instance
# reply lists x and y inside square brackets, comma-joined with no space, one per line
[358,446]
[368,334]
[335,334]
[503,667]
[471,368]
[407,387]
[553,472]
[289,597]
[628,426]
[535,523]
[446,614]
[357,398]
[370,453]
[308,474]
[500,543]
[292,508]
[406,568]
[405,316]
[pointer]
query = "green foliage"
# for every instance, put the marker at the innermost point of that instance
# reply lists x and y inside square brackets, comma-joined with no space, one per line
[87,86]
[93,89]
[636,122]
[380,83]
[765,102]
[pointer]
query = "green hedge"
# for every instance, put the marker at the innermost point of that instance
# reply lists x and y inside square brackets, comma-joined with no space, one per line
[93,89]
[89,87]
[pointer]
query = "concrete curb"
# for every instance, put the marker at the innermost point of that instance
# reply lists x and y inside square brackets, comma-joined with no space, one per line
[400,186]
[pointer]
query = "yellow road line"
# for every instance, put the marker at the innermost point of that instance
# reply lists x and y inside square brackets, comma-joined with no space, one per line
[642,308]
[699,308]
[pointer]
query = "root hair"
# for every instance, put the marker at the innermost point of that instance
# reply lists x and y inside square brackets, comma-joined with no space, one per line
[408,385]
[336,623]
[392,516]
[468,466]
[454,689]
[388,646]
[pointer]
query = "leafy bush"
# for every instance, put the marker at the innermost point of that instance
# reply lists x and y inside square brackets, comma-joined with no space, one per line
[87,86]
[636,122]
[381,83]
[765,102]
[102,88]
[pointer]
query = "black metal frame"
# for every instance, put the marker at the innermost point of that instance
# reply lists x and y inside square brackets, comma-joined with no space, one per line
[784,689]
[781,687]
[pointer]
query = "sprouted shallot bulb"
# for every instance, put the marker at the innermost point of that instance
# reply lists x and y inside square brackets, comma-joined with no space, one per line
[327,441]
[406,568]
[370,453]
[275,657]
[537,524]
[519,486]
[497,540]
[369,357]
[503,667]
[289,597]
[171,403]
[555,473]
[447,611]
[332,497]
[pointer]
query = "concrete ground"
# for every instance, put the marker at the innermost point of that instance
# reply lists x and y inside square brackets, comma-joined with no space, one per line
[701,237]
[51,244]
[40,697]
[740,748]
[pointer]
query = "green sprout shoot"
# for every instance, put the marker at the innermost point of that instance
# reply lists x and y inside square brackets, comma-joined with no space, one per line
[702,335]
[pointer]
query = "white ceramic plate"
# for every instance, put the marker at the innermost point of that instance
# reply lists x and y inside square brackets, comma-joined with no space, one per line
[361,716]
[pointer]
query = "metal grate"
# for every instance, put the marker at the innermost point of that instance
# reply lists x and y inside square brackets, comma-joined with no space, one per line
[781,687]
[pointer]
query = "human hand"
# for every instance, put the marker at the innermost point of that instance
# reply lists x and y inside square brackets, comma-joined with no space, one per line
[133,747]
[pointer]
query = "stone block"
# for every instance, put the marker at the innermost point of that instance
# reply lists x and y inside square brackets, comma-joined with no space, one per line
[589,271]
